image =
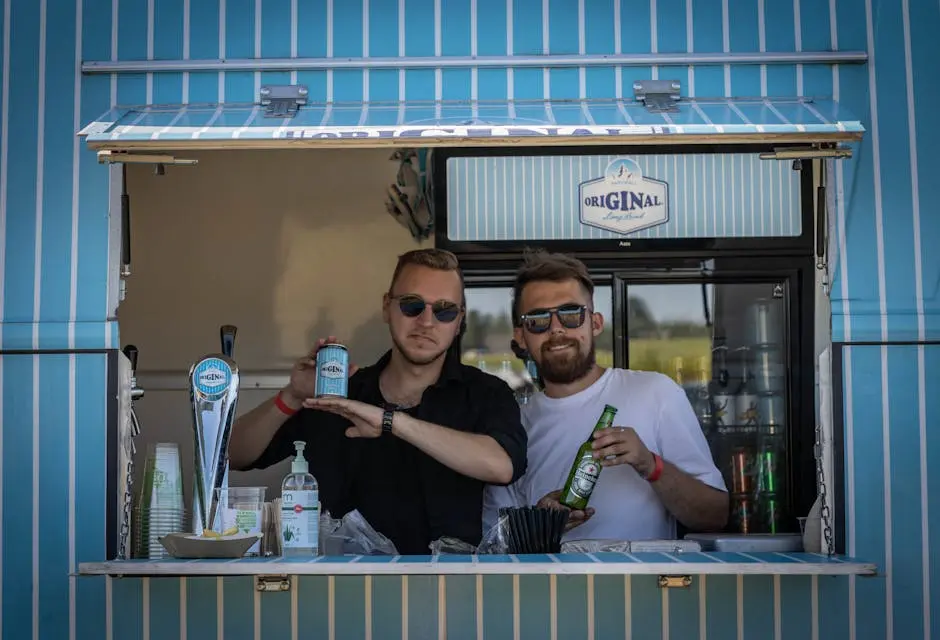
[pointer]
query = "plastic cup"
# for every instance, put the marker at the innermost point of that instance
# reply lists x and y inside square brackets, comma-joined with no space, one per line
[242,508]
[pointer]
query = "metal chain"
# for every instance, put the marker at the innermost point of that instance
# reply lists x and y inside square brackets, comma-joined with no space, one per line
[824,511]
[128,490]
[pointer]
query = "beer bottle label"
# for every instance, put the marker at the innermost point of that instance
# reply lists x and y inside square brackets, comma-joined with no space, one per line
[585,476]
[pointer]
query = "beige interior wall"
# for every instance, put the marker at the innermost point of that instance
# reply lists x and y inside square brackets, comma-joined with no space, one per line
[288,246]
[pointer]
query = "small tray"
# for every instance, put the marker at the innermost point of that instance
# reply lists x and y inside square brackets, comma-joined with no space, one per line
[749,543]
[192,546]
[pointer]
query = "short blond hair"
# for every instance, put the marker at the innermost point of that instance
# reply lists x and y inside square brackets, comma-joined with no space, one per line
[431,258]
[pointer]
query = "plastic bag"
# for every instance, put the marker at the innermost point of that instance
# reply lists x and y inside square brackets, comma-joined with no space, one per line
[355,536]
[447,544]
[496,539]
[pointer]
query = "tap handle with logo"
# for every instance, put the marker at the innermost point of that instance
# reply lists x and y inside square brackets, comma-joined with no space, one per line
[227,334]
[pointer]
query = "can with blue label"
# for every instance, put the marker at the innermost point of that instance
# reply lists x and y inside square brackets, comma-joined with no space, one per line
[332,371]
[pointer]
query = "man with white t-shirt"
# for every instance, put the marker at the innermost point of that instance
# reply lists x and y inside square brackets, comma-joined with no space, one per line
[657,465]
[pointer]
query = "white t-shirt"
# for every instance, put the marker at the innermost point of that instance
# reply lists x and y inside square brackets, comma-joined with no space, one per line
[626,507]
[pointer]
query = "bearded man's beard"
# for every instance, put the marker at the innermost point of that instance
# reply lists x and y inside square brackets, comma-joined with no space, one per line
[565,367]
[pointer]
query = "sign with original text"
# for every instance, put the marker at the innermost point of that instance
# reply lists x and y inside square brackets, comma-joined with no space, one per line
[624,200]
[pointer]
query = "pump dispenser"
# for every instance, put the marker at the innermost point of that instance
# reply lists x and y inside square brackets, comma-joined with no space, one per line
[300,508]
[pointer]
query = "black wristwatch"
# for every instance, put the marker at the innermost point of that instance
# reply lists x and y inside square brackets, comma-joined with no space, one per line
[387,420]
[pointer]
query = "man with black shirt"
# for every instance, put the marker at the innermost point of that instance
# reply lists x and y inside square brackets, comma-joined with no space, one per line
[420,434]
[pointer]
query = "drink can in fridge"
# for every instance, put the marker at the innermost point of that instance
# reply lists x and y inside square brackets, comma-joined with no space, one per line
[768,470]
[742,511]
[332,371]
[741,478]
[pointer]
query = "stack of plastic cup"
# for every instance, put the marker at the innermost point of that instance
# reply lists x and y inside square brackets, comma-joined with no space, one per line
[242,508]
[159,510]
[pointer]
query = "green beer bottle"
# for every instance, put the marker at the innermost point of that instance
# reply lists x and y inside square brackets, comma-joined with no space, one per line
[585,470]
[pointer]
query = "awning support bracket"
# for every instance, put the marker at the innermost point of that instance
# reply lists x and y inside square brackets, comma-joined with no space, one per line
[659,96]
[282,100]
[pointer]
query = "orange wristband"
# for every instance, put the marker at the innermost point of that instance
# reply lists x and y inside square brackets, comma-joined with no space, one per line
[280,404]
[657,469]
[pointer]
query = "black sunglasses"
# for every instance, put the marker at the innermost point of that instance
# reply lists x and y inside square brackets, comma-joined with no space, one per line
[570,316]
[412,306]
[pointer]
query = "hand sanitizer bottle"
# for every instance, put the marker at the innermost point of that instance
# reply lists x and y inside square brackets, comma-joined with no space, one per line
[300,509]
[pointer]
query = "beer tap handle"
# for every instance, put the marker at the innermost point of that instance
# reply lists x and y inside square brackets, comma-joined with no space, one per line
[227,333]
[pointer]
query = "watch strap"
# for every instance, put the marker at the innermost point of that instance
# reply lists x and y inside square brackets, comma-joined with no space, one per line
[387,418]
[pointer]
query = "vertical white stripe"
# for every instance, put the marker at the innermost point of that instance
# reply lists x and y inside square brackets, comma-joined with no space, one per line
[404,609]
[438,74]
[590,593]
[401,53]
[546,49]
[762,44]
[778,631]
[222,52]
[187,32]
[882,307]
[367,606]
[798,43]
[919,302]
[145,608]
[73,306]
[834,44]
[479,585]
[114,48]
[740,606]
[219,605]
[702,606]
[627,608]
[329,51]
[726,43]
[441,607]
[553,606]
[37,298]
[257,93]
[365,54]
[582,49]
[664,595]
[256,606]
[690,43]
[814,604]
[654,37]
[293,38]
[850,477]
[618,48]
[510,79]
[109,608]
[515,605]
[294,600]
[150,49]
[184,614]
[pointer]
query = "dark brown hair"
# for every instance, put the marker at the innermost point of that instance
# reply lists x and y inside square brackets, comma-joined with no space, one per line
[433,259]
[542,266]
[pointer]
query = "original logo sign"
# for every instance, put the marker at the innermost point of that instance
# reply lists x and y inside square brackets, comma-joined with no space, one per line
[212,377]
[624,200]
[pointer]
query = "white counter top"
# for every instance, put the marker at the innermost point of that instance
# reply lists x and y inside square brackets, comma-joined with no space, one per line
[698,563]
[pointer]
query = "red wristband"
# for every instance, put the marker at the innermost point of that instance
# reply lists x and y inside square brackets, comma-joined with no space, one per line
[657,469]
[282,406]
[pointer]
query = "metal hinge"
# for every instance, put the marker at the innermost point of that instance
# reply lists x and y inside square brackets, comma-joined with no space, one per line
[658,95]
[668,582]
[272,583]
[282,100]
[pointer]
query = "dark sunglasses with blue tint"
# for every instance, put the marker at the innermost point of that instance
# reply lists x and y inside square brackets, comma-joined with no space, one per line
[570,316]
[412,306]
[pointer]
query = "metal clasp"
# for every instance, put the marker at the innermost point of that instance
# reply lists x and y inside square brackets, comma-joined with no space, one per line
[282,100]
[659,96]
[670,582]
[272,583]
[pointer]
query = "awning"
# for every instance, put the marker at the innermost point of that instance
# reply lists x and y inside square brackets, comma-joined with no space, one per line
[478,123]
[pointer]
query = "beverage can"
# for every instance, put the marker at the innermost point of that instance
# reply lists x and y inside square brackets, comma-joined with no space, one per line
[332,371]
[741,471]
[741,513]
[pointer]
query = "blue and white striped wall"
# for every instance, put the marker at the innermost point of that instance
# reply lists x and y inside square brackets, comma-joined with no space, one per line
[55,292]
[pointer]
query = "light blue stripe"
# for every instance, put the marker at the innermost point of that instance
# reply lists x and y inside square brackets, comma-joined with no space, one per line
[906,515]
[814,20]
[240,43]
[670,28]
[238,600]
[780,30]
[534,603]
[201,607]
[275,38]
[204,44]
[422,607]
[164,608]
[347,28]
[127,608]
[386,607]
[461,605]
[132,45]
[53,522]
[796,606]
[758,606]
[707,37]
[563,38]
[21,173]
[646,607]
[609,604]
[90,465]
[497,606]
[571,606]
[168,45]
[869,484]
[313,616]
[350,614]
[276,614]
[683,610]
[17,498]
[743,35]
[721,606]
[312,31]
[932,416]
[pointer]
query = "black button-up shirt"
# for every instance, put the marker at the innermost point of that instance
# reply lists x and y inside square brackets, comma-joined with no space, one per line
[401,491]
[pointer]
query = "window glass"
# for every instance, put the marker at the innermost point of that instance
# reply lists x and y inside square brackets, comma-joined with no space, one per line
[486,342]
